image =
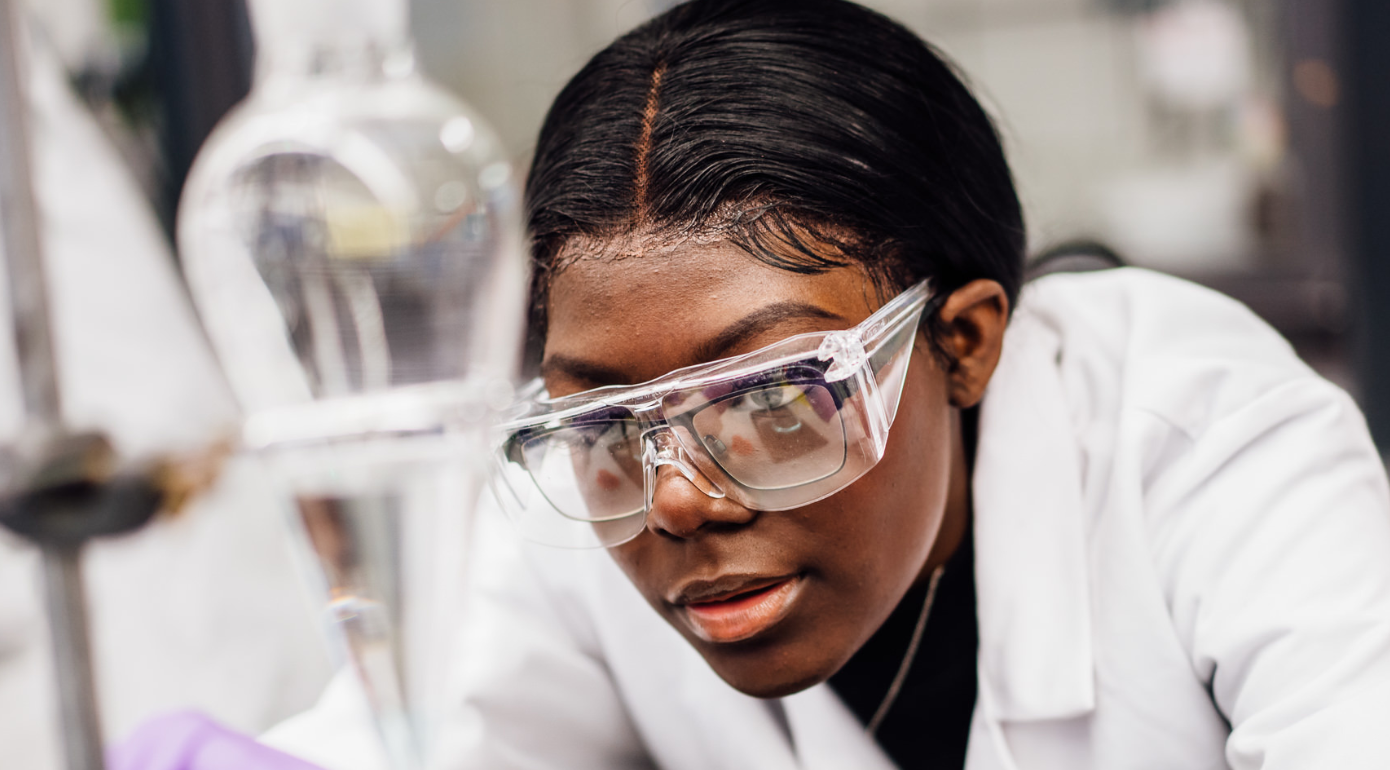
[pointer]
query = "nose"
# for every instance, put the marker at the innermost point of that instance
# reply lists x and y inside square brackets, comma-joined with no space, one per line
[680,499]
[678,508]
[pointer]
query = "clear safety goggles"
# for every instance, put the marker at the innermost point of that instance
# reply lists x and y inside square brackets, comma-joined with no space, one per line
[777,428]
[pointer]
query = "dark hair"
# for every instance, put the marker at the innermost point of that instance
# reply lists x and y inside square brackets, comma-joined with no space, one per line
[812,133]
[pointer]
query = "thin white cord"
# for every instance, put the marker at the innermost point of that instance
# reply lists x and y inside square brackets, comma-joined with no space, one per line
[897,685]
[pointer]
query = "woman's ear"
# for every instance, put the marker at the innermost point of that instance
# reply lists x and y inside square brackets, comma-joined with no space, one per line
[973,318]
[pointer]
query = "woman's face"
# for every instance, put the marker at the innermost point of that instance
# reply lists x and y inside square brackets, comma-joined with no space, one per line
[774,601]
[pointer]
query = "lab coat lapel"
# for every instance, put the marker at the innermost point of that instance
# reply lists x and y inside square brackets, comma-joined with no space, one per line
[828,736]
[737,731]
[1033,596]
[987,749]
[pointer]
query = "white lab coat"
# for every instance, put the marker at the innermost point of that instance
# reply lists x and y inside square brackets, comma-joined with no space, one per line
[1182,556]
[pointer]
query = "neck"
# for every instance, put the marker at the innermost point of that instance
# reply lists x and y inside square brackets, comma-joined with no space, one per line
[956,520]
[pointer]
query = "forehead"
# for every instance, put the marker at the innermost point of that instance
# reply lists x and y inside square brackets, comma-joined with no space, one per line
[641,315]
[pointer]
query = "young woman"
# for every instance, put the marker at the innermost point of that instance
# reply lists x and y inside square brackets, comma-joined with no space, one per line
[863,498]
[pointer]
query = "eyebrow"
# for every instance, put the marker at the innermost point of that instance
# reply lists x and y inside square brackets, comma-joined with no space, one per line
[580,369]
[739,331]
[757,322]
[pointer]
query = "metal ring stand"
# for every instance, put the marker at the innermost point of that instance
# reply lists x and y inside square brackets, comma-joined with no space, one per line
[61,489]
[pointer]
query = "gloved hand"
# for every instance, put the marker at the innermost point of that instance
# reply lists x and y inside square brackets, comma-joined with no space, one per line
[189,740]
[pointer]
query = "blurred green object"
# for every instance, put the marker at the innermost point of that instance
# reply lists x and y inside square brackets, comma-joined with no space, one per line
[132,12]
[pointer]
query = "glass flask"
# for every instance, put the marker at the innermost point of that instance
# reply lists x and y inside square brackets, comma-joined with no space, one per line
[351,236]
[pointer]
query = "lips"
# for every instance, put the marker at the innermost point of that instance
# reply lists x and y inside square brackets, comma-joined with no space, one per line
[736,609]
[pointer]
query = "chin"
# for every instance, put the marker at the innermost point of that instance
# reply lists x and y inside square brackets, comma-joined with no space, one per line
[765,672]
[764,687]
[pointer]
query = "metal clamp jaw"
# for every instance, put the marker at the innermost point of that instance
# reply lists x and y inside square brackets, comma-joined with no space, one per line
[59,492]
[68,491]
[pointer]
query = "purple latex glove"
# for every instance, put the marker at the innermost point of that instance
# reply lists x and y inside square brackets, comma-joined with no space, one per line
[189,740]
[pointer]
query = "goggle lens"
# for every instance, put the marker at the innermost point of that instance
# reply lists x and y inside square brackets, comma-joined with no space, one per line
[590,470]
[771,436]
[774,436]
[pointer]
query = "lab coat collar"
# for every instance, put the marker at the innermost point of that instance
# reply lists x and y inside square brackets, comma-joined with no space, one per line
[1033,596]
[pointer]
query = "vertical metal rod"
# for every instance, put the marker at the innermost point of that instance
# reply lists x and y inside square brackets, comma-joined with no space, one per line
[19,229]
[19,235]
[72,656]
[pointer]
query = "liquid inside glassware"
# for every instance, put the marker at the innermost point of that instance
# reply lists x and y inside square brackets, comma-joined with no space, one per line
[363,299]
[385,524]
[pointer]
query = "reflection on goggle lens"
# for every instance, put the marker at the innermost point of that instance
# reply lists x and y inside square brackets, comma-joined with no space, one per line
[775,436]
[591,470]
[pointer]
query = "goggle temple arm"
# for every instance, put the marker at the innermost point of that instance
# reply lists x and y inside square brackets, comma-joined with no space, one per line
[868,353]
[660,447]
[848,361]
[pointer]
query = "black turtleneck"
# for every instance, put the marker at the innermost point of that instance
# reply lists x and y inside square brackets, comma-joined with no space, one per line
[929,723]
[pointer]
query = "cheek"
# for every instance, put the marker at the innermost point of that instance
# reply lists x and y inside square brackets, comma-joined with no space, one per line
[887,522]
[631,557]
[871,541]
[653,566]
